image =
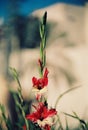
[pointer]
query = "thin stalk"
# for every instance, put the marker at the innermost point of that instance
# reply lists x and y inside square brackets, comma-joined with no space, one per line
[69,90]
[61,127]
[43,43]
[23,114]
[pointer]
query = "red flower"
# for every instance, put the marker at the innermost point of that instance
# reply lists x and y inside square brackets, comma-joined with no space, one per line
[41,82]
[41,116]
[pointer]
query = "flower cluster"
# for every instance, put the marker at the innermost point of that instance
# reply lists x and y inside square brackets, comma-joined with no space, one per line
[42,115]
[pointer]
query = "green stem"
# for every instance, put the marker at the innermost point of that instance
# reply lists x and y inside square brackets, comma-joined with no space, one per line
[23,113]
[43,43]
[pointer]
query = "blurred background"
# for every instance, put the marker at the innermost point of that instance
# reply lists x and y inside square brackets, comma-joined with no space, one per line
[19,25]
[66,50]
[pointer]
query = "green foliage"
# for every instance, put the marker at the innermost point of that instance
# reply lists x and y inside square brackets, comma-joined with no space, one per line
[19,101]
[83,124]
[5,120]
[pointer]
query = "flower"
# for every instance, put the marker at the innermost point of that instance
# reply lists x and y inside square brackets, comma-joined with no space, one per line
[42,116]
[39,85]
[41,82]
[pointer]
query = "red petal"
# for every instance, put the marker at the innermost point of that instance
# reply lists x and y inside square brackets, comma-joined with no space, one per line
[47,127]
[46,73]
[45,81]
[34,81]
[33,117]
[49,113]
[52,112]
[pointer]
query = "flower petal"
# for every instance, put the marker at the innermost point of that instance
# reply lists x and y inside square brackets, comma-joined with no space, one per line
[46,73]
[34,81]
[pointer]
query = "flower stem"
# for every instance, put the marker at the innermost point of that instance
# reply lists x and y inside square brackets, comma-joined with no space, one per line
[43,43]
